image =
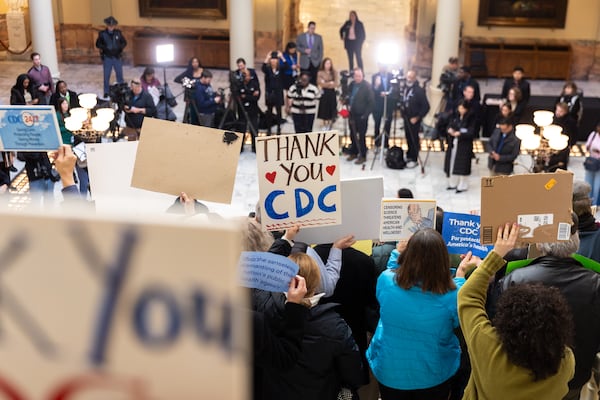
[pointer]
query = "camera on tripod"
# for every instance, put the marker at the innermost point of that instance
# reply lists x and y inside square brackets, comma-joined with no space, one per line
[447,80]
[236,82]
[189,85]
[345,78]
[121,94]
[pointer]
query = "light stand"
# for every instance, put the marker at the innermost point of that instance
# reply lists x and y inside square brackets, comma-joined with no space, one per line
[165,54]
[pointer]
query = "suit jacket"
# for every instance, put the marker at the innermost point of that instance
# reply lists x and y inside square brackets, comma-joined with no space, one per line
[415,102]
[316,55]
[362,103]
[508,154]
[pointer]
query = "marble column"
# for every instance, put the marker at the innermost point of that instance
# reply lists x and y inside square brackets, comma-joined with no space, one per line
[447,34]
[241,32]
[42,33]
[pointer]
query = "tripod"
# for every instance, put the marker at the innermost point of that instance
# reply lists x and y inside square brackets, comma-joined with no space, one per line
[382,135]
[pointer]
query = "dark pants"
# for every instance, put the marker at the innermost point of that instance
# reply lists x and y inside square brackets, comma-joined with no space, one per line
[352,48]
[269,117]
[439,392]
[358,132]
[312,70]
[377,116]
[108,65]
[303,123]
[412,138]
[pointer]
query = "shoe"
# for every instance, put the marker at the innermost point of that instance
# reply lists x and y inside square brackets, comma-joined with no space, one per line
[351,157]
[13,169]
[411,164]
[451,188]
[460,191]
[360,160]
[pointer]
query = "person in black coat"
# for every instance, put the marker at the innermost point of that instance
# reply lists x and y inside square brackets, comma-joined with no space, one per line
[503,147]
[457,163]
[274,69]
[23,93]
[111,44]
[355,293]
[353,34]
[519,81]
[572,97]
[62,90]
[361,104]
[415,107]
[140,106]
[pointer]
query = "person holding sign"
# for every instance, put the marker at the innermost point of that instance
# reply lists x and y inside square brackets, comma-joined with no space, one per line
[524,354]
[414,351]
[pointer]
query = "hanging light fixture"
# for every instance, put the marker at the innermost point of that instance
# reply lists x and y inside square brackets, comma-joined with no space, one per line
[84,123]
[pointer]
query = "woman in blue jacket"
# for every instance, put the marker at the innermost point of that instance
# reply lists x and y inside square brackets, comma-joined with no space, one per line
[414,351]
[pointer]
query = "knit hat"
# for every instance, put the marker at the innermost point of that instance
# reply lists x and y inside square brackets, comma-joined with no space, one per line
[581,197]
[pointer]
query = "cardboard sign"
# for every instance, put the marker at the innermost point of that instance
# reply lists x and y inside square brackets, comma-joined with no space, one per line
[266,271]
[173,157]
[110,166]
[540,203]
[102,309]
[461,234]
[299,180]
[29,128]
[360,217]
[400,218]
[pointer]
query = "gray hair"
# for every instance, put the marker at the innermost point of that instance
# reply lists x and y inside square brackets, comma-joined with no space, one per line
[255,237]
[560,249]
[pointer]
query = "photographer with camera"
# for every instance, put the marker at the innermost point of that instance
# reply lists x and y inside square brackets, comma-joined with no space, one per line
[249,93]
[463,79]
[140,105]
[414,106]
[361,104]
[274,68]
[302,103]
[205,101]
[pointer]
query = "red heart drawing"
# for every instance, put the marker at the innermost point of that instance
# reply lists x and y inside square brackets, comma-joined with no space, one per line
[271,176]
[330,169]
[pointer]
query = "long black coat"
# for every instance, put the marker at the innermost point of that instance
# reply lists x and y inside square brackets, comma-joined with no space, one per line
[274,84]
[464,149]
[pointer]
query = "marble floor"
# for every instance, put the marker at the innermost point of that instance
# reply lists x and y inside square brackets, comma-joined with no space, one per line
[427,184]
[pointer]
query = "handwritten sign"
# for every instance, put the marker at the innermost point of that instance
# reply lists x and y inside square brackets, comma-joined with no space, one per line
[400,218]
[299,180]
[27,128]
[266,271]
[104,309]
[461,234]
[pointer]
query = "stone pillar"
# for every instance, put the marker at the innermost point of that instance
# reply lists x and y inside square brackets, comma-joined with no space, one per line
[447,33]
[42,33]
[241,32]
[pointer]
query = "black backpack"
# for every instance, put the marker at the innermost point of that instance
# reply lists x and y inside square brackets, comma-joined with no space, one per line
[394,159]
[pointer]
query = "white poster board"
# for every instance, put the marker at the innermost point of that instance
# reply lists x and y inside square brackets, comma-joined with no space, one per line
[97,309]
[400,218]
[360,216]
[299,180]
[110,166]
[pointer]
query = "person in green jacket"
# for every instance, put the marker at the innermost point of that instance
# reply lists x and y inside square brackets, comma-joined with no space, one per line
[523,353]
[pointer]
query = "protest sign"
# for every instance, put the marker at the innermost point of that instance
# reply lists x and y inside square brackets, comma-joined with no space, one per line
[461,234]
[173,157]
[539,203]
[266,271]
[400,218]
[361,198]
[299,180]
[103,309]
[29,128]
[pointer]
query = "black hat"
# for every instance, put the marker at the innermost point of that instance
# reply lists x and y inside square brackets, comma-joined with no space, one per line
[111,21]
[274,54]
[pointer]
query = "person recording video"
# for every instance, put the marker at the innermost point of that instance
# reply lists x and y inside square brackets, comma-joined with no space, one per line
[206,100]
[140,105]
[302,103]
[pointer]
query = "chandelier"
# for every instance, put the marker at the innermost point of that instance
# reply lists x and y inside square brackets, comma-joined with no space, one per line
[542,145]
[89,124]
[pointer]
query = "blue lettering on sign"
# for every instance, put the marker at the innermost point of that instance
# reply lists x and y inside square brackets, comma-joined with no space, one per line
[300,210]
[154,298]
[321,199]
[269,205]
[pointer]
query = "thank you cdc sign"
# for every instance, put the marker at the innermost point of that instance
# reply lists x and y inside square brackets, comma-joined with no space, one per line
[299,180]
[96,309]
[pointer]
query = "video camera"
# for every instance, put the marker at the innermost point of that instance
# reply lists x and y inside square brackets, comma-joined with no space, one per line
[189,85]
[447,80]
[121,94]
[345,77]
[236,82]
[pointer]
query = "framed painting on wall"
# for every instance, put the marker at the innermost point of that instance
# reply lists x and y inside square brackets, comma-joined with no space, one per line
[523,13]
[209,9]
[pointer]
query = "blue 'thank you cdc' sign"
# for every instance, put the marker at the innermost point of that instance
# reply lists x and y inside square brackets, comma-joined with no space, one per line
[461,234]
[29,128]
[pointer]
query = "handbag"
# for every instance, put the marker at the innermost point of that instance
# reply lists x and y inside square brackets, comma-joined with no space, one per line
[592,164]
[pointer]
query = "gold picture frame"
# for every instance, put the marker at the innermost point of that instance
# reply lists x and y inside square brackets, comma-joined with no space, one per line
[206,9]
